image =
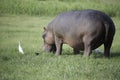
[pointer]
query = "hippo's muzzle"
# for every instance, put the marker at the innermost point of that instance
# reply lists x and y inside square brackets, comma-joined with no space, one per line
[49,48]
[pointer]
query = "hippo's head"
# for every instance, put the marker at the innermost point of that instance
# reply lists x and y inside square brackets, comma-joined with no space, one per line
[49,43]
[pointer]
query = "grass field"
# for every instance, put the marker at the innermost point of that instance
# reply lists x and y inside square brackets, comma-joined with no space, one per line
[53,7]
[27,27]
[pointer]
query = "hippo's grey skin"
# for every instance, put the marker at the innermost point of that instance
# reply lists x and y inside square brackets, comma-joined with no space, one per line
[82,30]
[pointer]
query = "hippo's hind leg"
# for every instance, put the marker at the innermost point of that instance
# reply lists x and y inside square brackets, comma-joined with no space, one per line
[107,46]
[58,43]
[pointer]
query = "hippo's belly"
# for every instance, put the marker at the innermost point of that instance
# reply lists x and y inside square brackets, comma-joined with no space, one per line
[77,43]
[74,43]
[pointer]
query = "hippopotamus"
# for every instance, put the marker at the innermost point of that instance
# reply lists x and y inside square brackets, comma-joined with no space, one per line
[83,30]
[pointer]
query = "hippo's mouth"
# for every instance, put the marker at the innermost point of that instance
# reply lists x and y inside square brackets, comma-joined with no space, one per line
[49,48]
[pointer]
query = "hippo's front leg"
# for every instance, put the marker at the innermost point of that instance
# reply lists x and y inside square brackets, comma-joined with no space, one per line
[58,43]
[87,50]
[87,45]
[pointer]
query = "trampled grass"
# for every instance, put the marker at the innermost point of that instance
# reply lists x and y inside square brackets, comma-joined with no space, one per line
[47,66]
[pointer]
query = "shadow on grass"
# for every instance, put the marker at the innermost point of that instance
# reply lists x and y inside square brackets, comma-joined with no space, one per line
[115,54]
[5,58]
[95,55]
[101,55]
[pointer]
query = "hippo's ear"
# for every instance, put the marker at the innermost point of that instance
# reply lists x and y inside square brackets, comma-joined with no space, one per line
[45,29]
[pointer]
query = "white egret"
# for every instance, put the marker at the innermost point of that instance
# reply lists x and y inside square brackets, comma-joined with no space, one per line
[20,48]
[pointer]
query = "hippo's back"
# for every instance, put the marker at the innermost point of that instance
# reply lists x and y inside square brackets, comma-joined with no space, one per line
[76,19]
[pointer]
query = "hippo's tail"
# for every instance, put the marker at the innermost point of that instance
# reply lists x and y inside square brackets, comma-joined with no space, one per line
[106,31]
[109,31]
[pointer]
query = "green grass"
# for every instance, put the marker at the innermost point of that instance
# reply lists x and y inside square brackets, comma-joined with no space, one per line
[47,66]
[23,20]
[53,7]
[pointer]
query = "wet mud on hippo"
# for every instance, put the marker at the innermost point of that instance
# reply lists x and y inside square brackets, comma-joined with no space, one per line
[82,30]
